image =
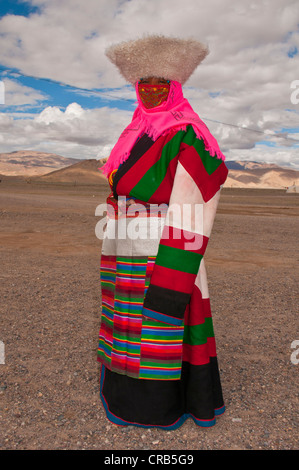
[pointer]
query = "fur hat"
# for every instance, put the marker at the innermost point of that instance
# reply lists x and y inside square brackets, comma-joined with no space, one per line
[157,56]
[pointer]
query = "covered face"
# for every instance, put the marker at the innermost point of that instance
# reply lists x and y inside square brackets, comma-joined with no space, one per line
[153,91]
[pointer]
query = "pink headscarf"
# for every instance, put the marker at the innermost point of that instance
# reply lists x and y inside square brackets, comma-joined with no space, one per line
[175,112]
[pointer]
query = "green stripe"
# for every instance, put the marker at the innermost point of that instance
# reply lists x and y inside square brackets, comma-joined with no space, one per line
[126,347]
[174,335]
[130,299]
[181,260]
[135,313]
[103,356]
[171,364]
[210,163]
[126,337]
[161,376]
[140,261]
[108,285]
[131,270]
[168,339]
[131,266]
[106,321]
[105,344]
[152,179]
[198,334]
[104,351]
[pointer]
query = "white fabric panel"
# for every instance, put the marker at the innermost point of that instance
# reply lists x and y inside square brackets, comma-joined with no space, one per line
[136,236]
[187,209]
[201,280]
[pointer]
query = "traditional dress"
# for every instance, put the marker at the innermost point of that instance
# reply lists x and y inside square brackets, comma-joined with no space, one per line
[156,339]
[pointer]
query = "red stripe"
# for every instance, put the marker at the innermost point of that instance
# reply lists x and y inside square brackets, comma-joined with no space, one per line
[195,314]
[208,184]
[199,354]
[129,286]
[198,308]
[178,238]
[162,194]
[129,329]
[207,307]
[137,284]
[106,332]
[108,261]
[173,279]
[108,295]
[148,353]
[122,364]
[212,347]
[138,170]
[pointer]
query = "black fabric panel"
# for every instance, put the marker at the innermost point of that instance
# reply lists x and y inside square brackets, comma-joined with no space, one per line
[148,402]
[217,388]
[139,149]
[163,402]
[203,389]
[167,301]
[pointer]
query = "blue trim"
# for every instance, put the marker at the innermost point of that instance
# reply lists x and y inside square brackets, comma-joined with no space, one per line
[220,411]
[203,424]
[120,422]
[161,317]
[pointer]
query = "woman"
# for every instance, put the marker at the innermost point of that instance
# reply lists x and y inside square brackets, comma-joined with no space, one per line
[156,340]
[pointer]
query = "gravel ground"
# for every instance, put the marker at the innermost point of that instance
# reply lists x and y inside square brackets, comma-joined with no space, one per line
[50,313]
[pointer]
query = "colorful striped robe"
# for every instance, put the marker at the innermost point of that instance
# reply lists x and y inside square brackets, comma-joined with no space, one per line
[156,324]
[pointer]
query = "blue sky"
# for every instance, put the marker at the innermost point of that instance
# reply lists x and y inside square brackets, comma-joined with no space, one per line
[56,93]
[62,94]
[14,7]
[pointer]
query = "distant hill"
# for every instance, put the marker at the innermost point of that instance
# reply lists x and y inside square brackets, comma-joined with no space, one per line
[249,174]
[248,165]
[54,168]
[241,174]
[84,171]
[32,163]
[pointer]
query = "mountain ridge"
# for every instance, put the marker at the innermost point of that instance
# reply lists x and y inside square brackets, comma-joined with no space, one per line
[42,166]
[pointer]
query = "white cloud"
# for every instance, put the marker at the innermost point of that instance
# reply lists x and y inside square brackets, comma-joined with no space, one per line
[262,153]
[67,40]
[81,133]
[21,95]
[74,132]
[53,114]
[248,68]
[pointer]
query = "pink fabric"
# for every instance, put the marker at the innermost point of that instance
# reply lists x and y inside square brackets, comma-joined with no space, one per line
[175,112]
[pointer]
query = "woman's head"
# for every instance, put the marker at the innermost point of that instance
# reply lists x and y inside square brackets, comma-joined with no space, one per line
[154,81]
[153,91]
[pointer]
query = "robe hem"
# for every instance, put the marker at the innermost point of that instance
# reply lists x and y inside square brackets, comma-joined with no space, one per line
[205,423]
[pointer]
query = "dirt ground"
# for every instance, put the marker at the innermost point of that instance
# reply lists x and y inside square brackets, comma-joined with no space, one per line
[50,314]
